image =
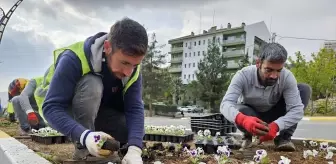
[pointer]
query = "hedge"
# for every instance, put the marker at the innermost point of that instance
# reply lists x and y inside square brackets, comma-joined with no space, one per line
[163,110]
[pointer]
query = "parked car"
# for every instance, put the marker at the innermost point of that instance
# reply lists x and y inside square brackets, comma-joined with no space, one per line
[197,109]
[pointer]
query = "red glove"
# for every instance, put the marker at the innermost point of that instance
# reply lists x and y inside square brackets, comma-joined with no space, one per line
[32,118]
[252,124]
[273,129]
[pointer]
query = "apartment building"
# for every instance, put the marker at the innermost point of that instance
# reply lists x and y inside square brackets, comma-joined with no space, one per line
[235,42]
[330,45]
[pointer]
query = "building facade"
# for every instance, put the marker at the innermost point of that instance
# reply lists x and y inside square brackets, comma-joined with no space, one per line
[187,51]
[330,45]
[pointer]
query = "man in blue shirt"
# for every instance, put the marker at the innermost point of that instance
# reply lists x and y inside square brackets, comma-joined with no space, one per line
[95,92]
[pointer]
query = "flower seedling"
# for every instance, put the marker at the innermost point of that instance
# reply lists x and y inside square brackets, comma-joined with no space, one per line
[223,154]
[261,157]
[207,134]
[309,154]
[313,143]
[284,160]
[329,155]
[46,132]
[194,158]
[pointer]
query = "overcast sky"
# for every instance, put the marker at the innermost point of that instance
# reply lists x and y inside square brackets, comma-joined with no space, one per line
[35,29]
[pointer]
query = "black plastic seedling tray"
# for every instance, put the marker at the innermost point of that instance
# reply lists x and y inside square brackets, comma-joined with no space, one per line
[210,147]
[47,140]
[169,138]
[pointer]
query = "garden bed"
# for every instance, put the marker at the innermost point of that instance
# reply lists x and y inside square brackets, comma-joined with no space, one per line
[59,152]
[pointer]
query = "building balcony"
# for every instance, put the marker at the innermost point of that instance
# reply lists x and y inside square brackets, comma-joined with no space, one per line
[232,65]
[176,50]
[236,41]
[176,60]
[235,53]
[175,69]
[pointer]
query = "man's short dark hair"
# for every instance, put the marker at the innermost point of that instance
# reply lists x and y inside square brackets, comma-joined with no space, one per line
[273,52]
[129,36]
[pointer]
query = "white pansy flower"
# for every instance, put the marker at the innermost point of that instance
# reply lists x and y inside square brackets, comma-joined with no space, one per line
[329,155]
[284,160]
[307,153]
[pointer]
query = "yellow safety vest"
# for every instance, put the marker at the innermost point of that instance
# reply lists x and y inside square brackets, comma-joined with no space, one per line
[38,81]
[78,49]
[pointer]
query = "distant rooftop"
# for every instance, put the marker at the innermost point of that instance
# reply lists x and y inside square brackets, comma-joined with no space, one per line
[212,30]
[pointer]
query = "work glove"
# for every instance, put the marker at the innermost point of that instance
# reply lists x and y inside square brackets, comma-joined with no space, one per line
[32,118]
[252,124]
[133,156]
[273,129]
[94,141]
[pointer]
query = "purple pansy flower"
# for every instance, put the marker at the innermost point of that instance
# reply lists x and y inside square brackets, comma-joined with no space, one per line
[97,138]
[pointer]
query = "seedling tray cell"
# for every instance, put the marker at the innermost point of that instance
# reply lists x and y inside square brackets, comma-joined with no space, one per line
[168,138]
[47,140]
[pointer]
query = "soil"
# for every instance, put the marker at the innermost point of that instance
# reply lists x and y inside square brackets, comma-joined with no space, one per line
[58,152]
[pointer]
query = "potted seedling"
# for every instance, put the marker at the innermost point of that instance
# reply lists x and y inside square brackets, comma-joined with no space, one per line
[200,139]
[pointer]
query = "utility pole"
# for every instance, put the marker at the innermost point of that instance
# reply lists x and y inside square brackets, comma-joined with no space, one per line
[5,17]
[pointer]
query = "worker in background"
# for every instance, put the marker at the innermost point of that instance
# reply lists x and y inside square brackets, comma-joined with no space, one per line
[272,101]
[96,93]
[15,88]
[26,108]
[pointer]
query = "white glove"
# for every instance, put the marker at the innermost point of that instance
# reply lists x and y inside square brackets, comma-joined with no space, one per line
[133,156]
[94,141]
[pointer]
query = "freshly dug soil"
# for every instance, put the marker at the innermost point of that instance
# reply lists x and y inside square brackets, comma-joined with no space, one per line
[58,152]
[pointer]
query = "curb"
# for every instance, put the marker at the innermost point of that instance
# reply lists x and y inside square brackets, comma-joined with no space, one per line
[319,118]
[14,152]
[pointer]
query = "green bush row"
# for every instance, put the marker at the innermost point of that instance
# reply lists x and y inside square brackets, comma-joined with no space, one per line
[162,108]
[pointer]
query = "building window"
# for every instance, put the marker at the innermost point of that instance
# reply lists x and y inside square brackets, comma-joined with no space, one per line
[193,64]
[195,43]
[193,76]
[185,76]
[185,55]
[189,76]
[185,65]
[203,42]
[186,44]
[199,42]
[189,65]
[189,54]
[199,53]
[203,53]
[194,53]
[209,41]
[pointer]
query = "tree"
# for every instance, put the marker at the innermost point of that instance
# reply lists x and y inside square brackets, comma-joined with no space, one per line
[212,75]
[244,61]
[194,89]
[153,78]
[318,73]
[175,88]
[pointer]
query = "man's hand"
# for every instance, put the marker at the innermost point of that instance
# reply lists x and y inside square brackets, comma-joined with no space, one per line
[94,142]
[32,118]
[252,124]
[273,129]
[133,156]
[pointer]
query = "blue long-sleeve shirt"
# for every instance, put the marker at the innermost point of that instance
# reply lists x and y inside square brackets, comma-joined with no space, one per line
[62,88]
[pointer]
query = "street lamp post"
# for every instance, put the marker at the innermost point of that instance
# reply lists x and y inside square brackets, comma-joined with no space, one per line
[5,17]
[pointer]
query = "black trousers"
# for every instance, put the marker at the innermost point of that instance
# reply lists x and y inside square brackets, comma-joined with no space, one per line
[277,111]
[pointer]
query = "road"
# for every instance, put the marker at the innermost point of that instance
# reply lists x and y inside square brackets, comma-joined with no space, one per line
[306,129]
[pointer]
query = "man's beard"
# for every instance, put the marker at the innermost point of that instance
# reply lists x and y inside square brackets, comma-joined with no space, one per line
[270,81]
[266,81]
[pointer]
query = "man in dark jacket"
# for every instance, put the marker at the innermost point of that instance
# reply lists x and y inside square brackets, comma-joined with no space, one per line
[95,92]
